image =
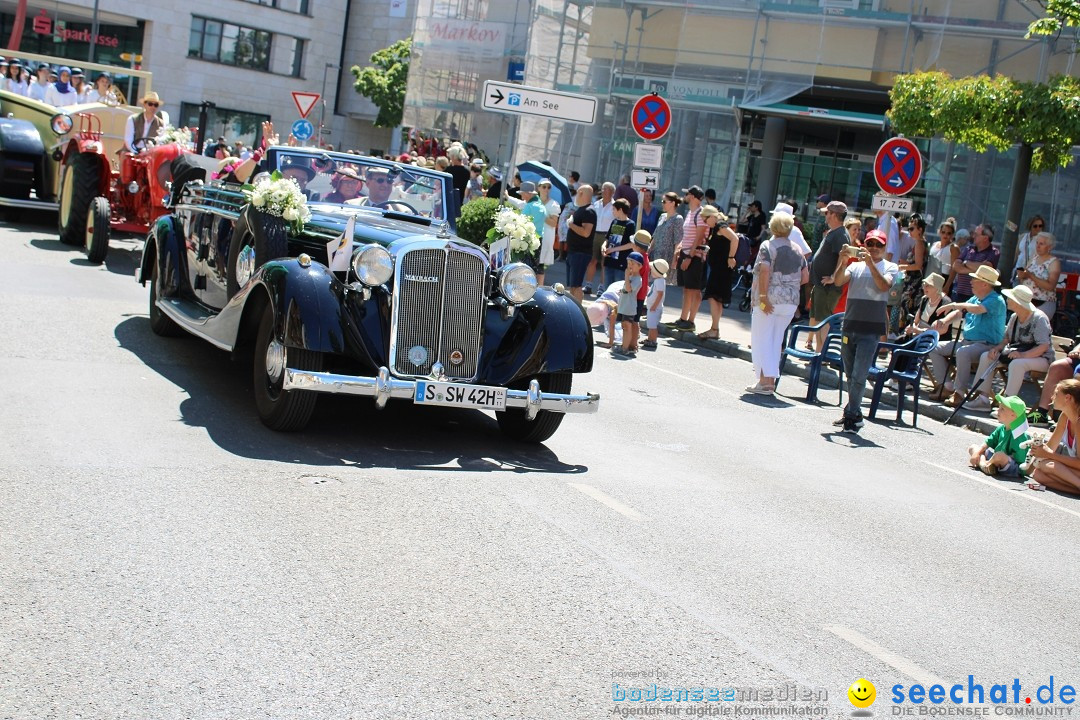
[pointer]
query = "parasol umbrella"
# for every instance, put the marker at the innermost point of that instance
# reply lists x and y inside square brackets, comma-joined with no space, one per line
[536,171]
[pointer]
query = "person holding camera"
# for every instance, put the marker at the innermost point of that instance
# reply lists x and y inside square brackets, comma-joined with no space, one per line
[1026,346]
[866,316]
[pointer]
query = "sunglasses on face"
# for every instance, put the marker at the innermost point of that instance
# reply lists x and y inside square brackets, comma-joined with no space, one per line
[1036,225]
[152,104]
[379,181]
[874,244]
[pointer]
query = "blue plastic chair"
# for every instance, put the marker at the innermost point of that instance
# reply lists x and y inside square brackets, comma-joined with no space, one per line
[829,355]
[906,363]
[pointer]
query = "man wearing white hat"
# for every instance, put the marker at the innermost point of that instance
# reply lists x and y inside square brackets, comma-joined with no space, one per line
[984,327]
[1026,346]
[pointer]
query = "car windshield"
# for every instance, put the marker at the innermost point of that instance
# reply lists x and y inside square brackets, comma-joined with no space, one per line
[357,180]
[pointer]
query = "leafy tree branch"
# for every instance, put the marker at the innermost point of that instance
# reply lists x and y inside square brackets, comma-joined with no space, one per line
[983,112]
[385,80]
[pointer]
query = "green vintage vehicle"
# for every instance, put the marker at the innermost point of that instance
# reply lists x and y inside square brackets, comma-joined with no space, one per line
[33,135]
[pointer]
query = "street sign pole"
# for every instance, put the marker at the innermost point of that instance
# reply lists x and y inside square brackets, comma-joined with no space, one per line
[509,174]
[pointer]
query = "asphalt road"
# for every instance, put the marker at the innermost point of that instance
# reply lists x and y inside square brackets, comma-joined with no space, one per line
[162,555]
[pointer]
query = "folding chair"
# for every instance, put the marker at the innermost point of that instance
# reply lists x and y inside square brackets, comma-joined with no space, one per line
[829,355]
[906,364]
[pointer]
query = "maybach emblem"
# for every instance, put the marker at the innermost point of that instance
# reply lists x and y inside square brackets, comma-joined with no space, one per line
[422,278]
[456,357]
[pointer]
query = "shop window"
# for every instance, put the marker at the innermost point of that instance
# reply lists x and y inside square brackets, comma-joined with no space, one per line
[242,46]
[293,6]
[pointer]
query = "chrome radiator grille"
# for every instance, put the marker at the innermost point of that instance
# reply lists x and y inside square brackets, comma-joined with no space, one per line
[438,306]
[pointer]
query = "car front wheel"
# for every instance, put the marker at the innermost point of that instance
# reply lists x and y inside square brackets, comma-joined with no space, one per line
[279,409]
[516,426]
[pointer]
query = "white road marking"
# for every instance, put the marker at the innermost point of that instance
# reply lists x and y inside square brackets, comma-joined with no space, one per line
[605,499]
[689,379]
[1011,489]
[730,393]
[897,662]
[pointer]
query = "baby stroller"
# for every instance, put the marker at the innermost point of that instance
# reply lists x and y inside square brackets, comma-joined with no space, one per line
[744,278]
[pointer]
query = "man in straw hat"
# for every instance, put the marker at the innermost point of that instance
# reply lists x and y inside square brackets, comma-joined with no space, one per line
[1026,346]
[983,328]
[146,124]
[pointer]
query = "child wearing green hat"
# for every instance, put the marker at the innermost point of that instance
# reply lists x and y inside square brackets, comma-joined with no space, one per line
[1002,452]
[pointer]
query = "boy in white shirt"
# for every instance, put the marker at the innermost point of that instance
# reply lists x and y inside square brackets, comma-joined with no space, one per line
[654,303]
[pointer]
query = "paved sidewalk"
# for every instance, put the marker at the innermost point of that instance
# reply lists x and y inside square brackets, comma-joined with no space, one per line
[734,330]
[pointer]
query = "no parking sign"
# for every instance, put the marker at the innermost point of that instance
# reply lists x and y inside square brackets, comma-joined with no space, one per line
[898,166]
[651,117]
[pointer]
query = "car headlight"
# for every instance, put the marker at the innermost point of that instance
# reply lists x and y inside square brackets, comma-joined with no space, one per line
[517,283]
[373,265]
[61,123]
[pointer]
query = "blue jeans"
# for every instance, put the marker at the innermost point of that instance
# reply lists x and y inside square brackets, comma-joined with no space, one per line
[576,265]
[857,351]
[613,275]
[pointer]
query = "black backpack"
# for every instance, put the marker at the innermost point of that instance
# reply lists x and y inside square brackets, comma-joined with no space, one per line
[743,251]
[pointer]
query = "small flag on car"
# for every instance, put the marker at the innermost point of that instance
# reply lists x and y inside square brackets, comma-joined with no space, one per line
[339,251]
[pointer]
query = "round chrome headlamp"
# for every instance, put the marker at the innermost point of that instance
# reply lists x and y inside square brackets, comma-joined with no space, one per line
[61,123]
[373,265]
[517,283]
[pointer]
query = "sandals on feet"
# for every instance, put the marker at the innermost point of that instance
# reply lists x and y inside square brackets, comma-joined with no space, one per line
[709,335]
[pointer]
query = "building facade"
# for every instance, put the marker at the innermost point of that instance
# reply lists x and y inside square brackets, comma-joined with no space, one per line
[244,56]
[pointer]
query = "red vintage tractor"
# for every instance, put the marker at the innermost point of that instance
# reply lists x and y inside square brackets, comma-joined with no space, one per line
[106,188]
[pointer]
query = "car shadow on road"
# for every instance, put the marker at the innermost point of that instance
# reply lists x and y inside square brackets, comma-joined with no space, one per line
[52,244]
[345,432]
[121,259]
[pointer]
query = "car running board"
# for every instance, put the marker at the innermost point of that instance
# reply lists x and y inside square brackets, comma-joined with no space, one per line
[194,318]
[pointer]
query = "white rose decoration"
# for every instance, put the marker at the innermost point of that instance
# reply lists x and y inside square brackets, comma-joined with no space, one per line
[290,214]
[257,200]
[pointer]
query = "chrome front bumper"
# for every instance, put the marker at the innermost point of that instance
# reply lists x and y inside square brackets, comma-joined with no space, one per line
[383,387]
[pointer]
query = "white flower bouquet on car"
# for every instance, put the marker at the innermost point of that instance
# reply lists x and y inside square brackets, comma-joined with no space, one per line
[280,197]
[170,134]
[517,228]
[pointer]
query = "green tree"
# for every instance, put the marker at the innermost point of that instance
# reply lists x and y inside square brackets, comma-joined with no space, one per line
[384,81]
[983,112]
[1058,15]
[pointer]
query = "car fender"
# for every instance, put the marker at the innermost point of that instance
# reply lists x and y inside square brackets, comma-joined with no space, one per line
[165,246]
[315,311]
[548,334]
[20,137]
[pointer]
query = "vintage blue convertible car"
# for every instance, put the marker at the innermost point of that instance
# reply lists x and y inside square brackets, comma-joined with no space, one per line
[420,315]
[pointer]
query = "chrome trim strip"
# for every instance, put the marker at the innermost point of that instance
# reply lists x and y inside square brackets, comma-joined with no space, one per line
[34,204]
[194,328]
[384,387]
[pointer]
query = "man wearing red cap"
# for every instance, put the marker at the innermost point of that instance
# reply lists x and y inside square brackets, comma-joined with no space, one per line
[864,318]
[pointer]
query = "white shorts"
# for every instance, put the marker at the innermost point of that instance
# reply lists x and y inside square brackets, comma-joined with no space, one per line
[652,318]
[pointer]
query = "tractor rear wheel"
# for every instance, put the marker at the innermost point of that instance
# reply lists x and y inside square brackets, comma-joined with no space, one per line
[79,182]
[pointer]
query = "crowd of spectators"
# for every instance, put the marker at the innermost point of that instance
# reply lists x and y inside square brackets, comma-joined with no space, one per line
[57,85]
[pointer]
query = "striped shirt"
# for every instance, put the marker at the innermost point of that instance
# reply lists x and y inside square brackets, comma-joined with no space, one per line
[690,227]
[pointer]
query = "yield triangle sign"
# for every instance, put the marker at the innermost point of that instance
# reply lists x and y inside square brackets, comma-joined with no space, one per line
[305,101]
